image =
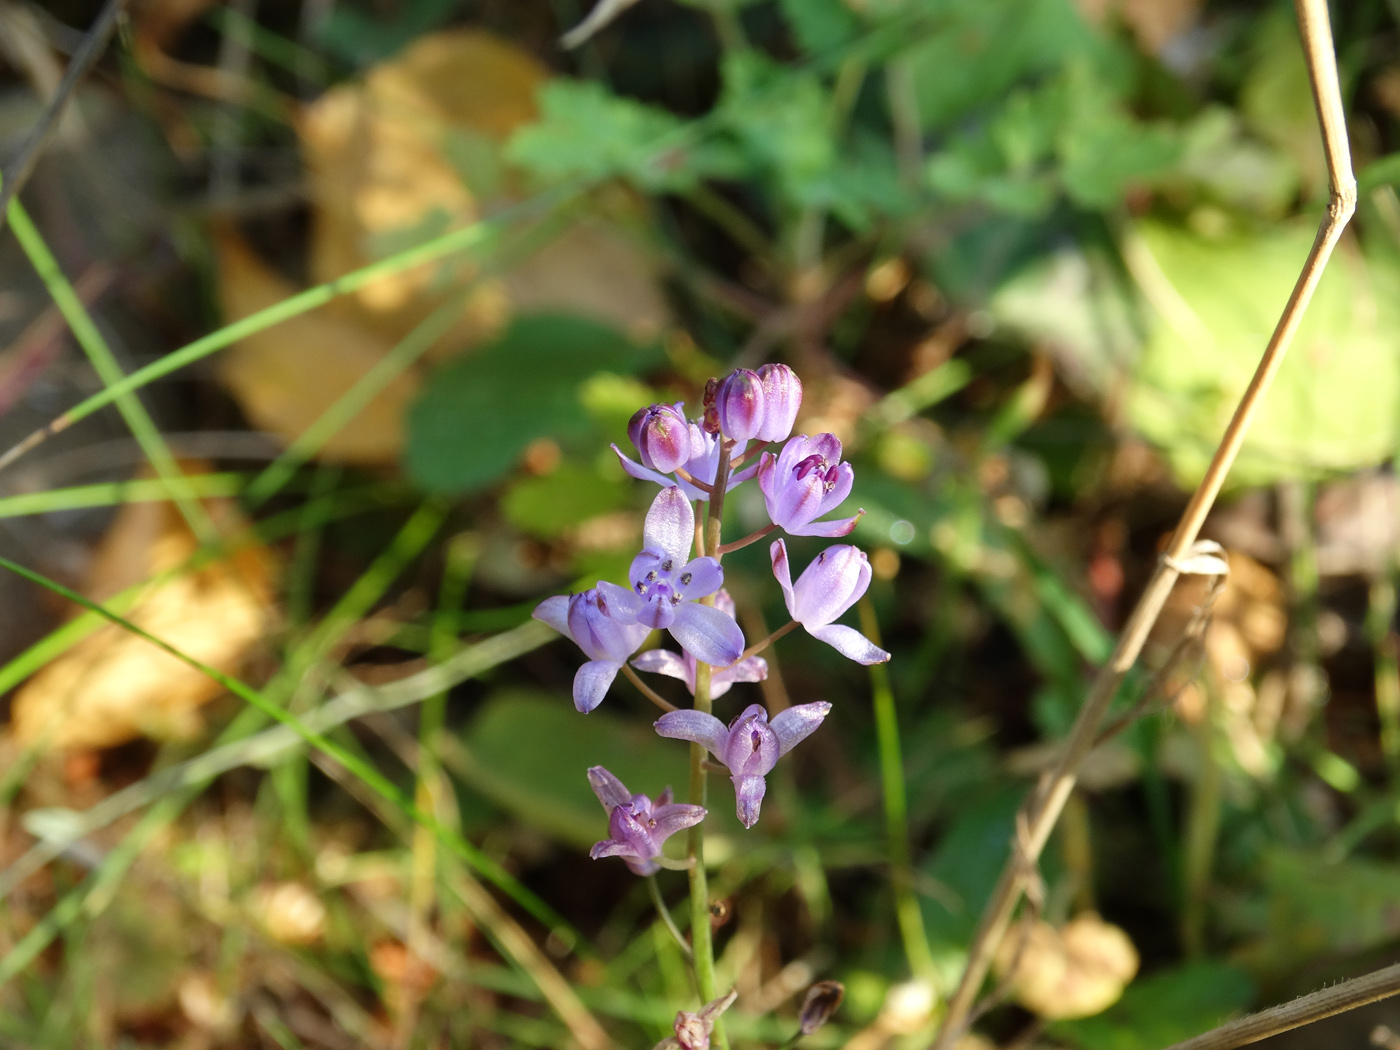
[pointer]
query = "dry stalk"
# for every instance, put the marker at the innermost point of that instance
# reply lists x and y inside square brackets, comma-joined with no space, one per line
[1305,1010]
[1043,807]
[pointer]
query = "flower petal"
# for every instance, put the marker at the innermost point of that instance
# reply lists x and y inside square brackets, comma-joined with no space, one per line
[845,478]
[830,585]
[741,476]
[748,797]
[754,669]
[641,473]
[611,792]
[591,683]
[707,634]
[699,578]
[778,552]
[798,723]
[850,643]
[555,612]
[830,529]
[612,848]
[618,603]
[673,818]
[695,726]
[663,661]
[670,525]
[658,613]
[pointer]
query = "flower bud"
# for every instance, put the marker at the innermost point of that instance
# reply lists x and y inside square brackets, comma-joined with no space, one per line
[782,397]
[662,437]
[739,404]
[821,1002]
[709,421]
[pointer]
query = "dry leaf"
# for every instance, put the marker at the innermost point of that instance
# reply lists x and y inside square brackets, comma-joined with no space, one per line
[286,376]
[114,686]
[1076,971]
[413,151]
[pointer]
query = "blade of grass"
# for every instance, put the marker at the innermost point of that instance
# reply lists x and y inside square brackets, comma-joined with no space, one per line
[70,304]
[368,775]
[112,493]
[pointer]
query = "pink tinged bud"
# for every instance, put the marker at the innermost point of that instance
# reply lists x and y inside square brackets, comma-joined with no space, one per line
[637,827]
[804,481]
[662,436]
[750,746]
[739,404]
[782,397]
[836,580]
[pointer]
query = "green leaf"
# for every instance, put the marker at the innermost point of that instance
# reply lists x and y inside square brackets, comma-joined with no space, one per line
[477,413]
[586,131]
[1382,172]
[1163,1009]
[820,26]
[965,867]
[1335,404]
[550,506]
[530,753]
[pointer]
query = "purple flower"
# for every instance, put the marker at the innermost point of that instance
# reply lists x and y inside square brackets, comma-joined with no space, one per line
[666,585]
[693,1030]
[663,437]
[827,588]
[702,465]
[782,397]
[804,481]
[750,747]
[637,827]
[583,619]
[739,404]
[682,665]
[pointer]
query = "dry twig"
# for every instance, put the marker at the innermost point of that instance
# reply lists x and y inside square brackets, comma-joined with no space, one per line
[1044,807]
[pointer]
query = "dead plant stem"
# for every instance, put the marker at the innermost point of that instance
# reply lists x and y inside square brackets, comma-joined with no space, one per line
[1043,808]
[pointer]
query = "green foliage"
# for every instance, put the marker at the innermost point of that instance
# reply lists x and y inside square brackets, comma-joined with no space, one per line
[1164,1008]
[549,506]
[585,131]
[965,865]
[1216,301]
[478,413]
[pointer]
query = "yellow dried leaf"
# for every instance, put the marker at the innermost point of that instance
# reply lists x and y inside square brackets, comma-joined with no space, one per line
[290,913]
[286,376]
[1078,970]
[114,686]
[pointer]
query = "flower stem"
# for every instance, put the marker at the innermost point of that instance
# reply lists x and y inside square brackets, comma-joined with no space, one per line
[758,647]
[665,915]
[647,691]
[749,454]
[702,942]
[753,537]
[703,486]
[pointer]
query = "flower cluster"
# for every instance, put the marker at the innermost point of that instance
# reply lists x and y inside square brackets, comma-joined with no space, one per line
[697,461]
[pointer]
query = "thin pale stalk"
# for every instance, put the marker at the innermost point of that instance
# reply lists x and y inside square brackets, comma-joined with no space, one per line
[753,537]
[1302,1011]
[758,647]
[906,901]
[664,914]
[646,690]
[1043,809]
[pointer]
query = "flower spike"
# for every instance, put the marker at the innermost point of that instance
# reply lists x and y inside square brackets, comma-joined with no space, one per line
[682,665]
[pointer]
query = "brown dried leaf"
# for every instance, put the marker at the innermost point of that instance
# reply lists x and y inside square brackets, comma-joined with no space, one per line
[114,686]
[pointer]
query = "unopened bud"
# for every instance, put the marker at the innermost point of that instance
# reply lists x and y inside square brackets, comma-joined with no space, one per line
[710,420]
[821,1003]
[662,437]
[782,397]
[739,404]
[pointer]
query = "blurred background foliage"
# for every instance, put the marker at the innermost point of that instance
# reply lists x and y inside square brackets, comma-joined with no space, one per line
[1024,254]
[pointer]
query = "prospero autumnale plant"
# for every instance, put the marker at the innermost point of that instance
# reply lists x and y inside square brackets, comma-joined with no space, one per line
[696,462]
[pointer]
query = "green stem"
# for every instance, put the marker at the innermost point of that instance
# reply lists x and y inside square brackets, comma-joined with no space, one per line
[701,939]
[907,911]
